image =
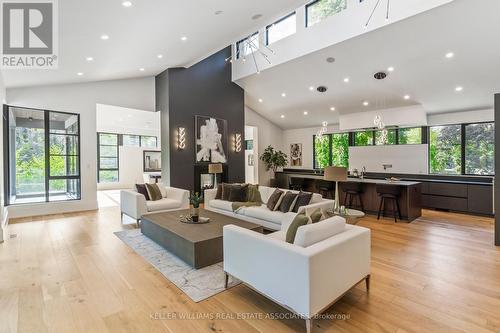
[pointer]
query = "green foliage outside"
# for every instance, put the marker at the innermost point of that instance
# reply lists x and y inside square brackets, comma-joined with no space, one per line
[390,140]
[480,149]
[364,138]
[323,9]
[445,150]
[322,151]
[410,136]
[339,150]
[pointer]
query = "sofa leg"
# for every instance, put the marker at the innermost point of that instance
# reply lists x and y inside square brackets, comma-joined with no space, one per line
[137,222]
[367,281]
[226,280]
[308,325]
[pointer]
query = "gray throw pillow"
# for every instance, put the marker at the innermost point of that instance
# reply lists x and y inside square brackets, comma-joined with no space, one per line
[287,201]
[238,193]
[274,199]
[303,199]
[297,222]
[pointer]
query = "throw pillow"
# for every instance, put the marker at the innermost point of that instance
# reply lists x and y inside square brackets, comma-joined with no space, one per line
[238,193]
[297,222]
[218,195]
[317,216]
[141,188]
[163,189]
[254,193]
[226,190]
[287,202]
[274,200]
[303,199]
[153,192]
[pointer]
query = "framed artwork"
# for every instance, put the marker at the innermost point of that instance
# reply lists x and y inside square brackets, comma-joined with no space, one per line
[296,154]
[211,140]
[152,161]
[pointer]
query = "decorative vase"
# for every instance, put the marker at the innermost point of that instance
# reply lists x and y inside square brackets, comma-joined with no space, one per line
[195,213]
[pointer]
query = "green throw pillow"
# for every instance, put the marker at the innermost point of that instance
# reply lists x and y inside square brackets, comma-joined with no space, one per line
[254,194]
[153,192]
[297,222]
[316,216]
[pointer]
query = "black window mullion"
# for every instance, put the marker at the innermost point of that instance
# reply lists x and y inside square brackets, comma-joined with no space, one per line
[462,159]
[46,120]
[330,146]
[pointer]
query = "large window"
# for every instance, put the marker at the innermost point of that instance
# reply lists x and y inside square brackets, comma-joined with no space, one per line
[445,149]
[108,158]
[131,140]
[390,139]
[318,10]
[410,136]
[149,141]
[479,149]
[364,138]
[281,29]
[247,46]
[43,153]
[331,149]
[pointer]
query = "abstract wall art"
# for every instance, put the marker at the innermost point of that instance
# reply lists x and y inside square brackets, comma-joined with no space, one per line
[211,140]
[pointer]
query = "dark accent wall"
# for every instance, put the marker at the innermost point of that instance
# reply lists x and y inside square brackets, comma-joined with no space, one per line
[205,89]
[497,170]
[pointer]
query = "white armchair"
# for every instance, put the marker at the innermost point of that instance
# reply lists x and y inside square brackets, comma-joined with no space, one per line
[134,204]
[307,280]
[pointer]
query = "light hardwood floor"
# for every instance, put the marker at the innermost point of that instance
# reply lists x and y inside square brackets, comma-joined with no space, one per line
[69,273]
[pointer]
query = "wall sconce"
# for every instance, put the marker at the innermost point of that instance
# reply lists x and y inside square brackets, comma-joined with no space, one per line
[237,143]
[181,138]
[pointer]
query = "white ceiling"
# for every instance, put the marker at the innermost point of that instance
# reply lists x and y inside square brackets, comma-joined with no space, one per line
[139,33]
[416,47]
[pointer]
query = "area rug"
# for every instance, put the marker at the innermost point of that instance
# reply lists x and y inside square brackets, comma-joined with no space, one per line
[198,284]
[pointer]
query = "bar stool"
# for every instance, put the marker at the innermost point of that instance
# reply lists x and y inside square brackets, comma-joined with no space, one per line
[391,193]
[296,184]
[325,188]
[352,190]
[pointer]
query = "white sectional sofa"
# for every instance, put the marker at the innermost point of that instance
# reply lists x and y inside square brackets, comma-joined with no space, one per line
[308,279]
[134,204]
[262,215]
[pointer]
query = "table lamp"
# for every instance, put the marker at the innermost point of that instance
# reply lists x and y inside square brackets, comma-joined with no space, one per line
[215,169]
[336,174]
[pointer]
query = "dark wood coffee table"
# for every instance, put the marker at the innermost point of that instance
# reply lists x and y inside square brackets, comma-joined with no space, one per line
[199,245]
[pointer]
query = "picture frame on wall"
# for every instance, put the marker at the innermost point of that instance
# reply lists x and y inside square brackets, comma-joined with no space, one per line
[211,140]
[296,154]
[151,161]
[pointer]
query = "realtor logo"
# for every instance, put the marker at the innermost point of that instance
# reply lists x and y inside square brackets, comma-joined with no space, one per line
[29,34]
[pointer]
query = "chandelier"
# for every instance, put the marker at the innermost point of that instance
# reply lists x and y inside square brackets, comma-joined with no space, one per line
[381,126]
[388,7]
[322,131]
[247,47]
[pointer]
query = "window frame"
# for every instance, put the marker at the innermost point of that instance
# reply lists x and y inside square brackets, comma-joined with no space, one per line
[330,147]
[464,142]
[47,155]
[277,22]
[240,54]
[310,4]
[99,169]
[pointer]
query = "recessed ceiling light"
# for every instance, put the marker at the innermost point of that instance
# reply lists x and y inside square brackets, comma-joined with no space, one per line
[218,12]
[184,38]
[450,55]
[346,80]
[407,97]
[141,69]
[79,73]
[126,3]
[330,60]
[104,37]
[89,59]
[390,69]
[306,113]
[261,100]
[282,116]
[256,16]
[332,108]
[160,56]
[283,94]
[365,103]
[311,88]
[459,88]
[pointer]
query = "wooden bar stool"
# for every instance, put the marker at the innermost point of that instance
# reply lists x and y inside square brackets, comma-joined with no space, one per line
[325,188]
[352,192]
[391,193]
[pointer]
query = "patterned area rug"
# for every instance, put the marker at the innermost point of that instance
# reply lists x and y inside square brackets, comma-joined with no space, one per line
[197,284]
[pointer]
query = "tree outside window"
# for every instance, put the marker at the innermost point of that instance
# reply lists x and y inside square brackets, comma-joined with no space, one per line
[445,149]
[480,149]
[321,9]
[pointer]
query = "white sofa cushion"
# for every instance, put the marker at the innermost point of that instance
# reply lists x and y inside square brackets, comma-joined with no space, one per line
[163,189]
[310,234]
[222,205]
[163,204]
[279,235]
[262,213]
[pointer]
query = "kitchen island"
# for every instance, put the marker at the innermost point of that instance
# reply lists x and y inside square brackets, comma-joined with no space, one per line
[410,200]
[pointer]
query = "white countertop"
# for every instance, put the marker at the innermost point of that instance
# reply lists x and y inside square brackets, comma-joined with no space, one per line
[359,180]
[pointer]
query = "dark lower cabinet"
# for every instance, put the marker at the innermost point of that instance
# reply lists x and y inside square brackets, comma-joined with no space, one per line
[466,198]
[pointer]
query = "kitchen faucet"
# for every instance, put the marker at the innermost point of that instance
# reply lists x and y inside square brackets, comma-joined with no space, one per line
[363,171]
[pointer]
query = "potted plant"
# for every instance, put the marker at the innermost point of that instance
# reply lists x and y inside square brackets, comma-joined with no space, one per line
[273,159]
[195,200]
